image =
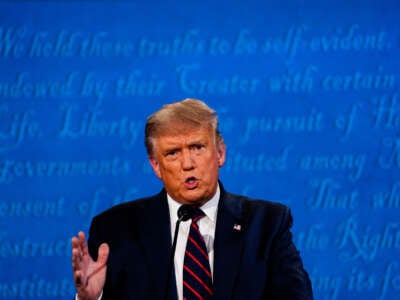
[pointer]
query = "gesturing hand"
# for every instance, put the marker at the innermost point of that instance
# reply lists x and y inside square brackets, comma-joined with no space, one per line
[89,275]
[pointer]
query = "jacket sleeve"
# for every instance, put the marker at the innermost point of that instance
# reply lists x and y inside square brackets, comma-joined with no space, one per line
[288,278]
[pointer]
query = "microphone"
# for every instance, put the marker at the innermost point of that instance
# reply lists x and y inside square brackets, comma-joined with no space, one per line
[185,212]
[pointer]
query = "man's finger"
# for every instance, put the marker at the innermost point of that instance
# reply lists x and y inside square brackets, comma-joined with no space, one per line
[82,243]
[76,258]
[103,252]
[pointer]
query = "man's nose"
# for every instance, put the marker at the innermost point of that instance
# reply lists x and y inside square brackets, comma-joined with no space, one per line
[187,160]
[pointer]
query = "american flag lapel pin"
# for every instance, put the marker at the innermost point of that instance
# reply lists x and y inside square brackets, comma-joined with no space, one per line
[237,227]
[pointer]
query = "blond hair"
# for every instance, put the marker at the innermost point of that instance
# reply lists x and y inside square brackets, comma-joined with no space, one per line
[180,117]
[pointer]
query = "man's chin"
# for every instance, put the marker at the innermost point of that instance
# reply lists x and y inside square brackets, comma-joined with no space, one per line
[194,198]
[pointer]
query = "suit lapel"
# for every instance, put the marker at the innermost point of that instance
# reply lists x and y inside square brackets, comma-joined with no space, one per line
[228,245]
[156,241]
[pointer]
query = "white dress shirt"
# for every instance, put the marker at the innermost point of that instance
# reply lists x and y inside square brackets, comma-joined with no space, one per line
[207,229]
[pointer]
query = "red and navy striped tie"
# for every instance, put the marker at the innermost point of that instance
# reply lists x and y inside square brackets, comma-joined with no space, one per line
[197,279]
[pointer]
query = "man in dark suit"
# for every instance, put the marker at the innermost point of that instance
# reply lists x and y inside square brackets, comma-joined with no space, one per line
[250,253]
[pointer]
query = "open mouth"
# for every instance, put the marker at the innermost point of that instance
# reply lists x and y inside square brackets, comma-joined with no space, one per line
[191,182]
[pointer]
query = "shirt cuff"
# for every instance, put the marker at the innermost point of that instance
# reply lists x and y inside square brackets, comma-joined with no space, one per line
[101,295]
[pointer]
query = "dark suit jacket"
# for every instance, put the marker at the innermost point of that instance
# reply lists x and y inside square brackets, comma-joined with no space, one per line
[257,262]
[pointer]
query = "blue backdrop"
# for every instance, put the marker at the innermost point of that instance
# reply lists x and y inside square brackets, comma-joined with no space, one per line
[308,99]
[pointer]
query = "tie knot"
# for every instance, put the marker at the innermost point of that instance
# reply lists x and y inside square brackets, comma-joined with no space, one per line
[197,214]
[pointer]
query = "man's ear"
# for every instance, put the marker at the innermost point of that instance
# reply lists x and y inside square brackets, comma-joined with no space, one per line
[155,165]
[221,153]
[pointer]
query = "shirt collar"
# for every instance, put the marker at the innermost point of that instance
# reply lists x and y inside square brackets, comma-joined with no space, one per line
[209,208]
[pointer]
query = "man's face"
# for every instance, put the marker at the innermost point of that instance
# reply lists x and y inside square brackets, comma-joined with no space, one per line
[188,164]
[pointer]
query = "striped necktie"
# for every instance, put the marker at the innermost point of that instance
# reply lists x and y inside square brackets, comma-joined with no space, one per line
[197,280]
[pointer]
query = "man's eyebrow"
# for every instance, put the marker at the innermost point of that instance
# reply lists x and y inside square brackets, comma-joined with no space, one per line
[196,142]
[171,148]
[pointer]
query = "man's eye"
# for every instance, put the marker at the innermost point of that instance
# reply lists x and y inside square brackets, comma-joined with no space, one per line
[171,153]
[198,147]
